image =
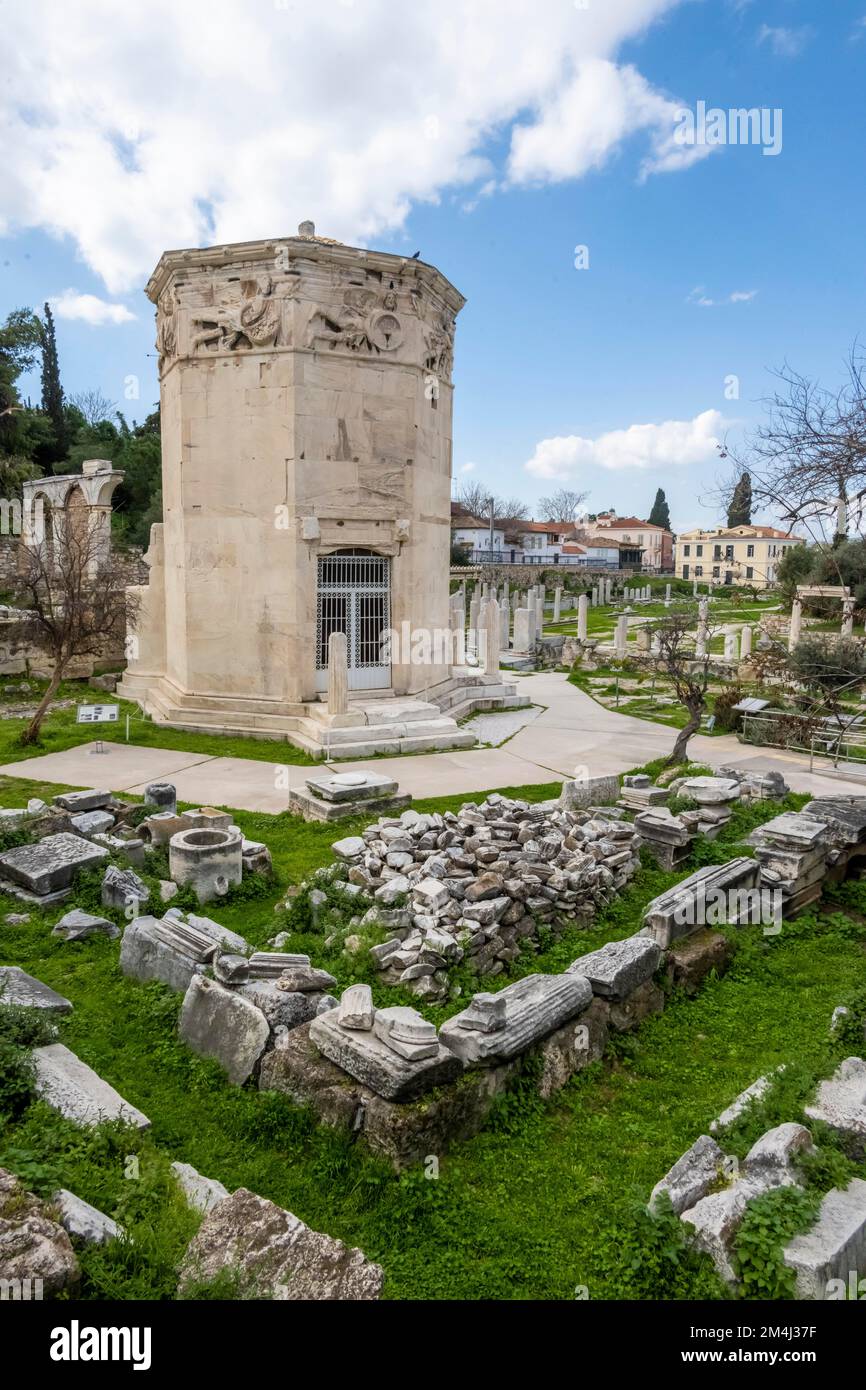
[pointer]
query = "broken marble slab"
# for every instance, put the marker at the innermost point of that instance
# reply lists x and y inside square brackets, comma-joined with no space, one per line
[708,897]
[845,815]
[693,1176]
[122,887]
[778,1152]
[304,979]
[841,1101]
[351,786]
[165,949]
[375,1063]
[76,925]
[619,967]
[67,1084]
[356,1008]
[90,823]
[284,1009]
[710,791]
[132,850]
[834,1246]
[92,800]
[276,1256]
[48,866]
[269,965]
[485,1013]
[795,830]
[580,793]
[21,990]
[201,1193]
[226,940]
[221,1024]
[534,1007]
[740,1105]
[83,1222]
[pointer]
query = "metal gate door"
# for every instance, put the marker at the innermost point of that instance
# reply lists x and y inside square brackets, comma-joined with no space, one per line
[354,596]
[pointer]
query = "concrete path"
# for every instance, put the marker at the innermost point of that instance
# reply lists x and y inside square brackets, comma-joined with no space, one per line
[573,733]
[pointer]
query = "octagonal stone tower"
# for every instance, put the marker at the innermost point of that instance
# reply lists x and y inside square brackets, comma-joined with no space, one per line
[306,398]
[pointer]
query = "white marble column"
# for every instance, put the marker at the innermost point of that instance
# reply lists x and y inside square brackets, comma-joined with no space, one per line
[621,635]
[745,644]
[557,603]
[847,617]
[491,637]
[582,608]
[796,624]
[338,674]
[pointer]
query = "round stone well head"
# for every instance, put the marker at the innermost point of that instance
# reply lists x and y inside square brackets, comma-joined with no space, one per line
[209,860]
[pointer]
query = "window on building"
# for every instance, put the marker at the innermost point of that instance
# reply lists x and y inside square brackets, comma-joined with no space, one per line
[687,550]
[750,573]
[750,552]
[685,571]
[715,571]
[699,570]
[699,550]
[729,552]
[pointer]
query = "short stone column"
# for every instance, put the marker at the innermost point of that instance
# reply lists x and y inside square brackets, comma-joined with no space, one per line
[621,635]
[492,637]
[474,611]
[730,646]
[695,588]
[557,603]
[582,608]
[338,674]
[643,639]
[667,593]
[796,624]
[745,644]
[847,617]
[523,630]
[457,615]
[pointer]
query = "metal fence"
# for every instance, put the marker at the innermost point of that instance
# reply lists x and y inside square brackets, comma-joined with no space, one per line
[829,745]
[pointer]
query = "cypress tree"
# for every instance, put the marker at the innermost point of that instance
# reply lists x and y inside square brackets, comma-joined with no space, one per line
[660,514]
[53,403]
[740,509]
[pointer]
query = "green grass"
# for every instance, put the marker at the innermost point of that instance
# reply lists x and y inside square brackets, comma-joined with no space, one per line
[549,1198]
[60,731]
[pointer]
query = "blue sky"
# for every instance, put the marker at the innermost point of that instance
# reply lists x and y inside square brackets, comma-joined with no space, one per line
[609,379]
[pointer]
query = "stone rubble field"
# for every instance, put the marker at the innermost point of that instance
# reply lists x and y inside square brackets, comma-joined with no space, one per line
[478,888]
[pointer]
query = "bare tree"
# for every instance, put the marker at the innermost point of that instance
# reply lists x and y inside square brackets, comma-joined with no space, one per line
[73,593]
[807,462]
[562,505]
[475,499]
[94,406]
[688,672]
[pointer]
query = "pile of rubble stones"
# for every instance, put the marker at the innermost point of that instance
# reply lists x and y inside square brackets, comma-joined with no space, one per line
[472,886]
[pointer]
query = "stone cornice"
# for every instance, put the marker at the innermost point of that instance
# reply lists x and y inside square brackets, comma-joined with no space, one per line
[301,248]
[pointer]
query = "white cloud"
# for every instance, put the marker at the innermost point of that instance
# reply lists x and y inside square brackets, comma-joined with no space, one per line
[130,129]
[581,125]
[785,43]
[89,308]
[467,468]
[673,443]
[700,297]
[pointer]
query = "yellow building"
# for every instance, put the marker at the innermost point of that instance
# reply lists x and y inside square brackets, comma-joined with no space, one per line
[733,555]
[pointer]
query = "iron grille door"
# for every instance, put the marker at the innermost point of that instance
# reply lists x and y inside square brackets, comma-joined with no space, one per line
[354,596]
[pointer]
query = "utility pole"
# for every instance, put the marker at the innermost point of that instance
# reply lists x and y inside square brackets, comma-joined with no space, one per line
[491,501]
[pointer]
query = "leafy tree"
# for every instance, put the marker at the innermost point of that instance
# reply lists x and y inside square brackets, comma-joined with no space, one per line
[740,508]
[660,514]
[20,339]
[53,403]
[688,673]
[835,667]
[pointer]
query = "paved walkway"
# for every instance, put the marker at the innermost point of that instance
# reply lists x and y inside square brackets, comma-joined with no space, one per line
[573,732]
